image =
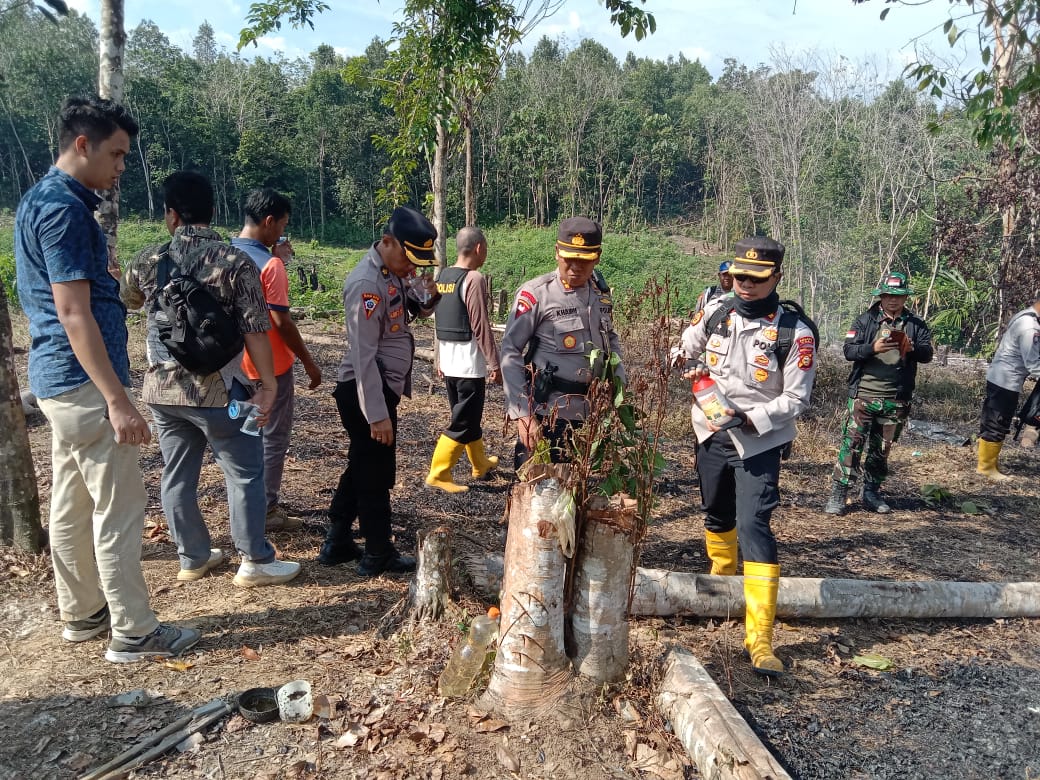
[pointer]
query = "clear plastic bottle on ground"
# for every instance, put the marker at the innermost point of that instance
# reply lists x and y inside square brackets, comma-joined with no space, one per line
[468,658]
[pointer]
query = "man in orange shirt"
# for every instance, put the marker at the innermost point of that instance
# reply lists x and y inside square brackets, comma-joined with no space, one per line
[267,215]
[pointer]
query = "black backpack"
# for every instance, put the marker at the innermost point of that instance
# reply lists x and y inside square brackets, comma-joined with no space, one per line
[199,334]
[792,313]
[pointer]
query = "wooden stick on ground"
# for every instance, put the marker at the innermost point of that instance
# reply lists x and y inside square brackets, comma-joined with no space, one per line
[196,720]
[718,740]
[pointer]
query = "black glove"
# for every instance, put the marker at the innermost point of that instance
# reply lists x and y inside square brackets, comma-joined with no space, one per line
[738,420]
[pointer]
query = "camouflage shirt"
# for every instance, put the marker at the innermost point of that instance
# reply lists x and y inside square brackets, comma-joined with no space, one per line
[232,278]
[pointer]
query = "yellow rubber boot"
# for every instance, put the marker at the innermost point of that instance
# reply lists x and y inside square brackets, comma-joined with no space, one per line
[761,582]
[446,455]
[989,451]
[722,550]
[480,462]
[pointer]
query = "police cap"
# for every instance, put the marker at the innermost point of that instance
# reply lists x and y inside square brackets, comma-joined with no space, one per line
[757,256]
[415,233]
[579,238]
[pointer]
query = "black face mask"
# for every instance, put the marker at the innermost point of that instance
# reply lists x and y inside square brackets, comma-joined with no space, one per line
[753,310]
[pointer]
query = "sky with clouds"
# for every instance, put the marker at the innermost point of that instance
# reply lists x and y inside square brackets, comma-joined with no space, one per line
[707,30]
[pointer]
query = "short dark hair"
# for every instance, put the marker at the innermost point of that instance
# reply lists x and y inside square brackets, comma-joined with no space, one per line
[190,195]
[264,203]
[93,117]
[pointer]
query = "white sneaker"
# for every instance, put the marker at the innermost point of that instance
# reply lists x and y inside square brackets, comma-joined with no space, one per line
[216,557]
[253,575]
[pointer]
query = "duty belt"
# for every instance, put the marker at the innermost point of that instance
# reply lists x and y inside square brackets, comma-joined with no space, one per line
[569,387]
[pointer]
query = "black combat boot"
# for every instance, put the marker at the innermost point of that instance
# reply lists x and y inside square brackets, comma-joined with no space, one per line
[339,546]
[872,500]
[374,564]
[836,503]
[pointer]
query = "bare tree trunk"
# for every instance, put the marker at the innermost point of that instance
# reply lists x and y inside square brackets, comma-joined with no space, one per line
[321,184]
[19,498]
[602,580]
[531,668]
[471,195]
[147,178]
[440,193]
[110,86]
[431,589]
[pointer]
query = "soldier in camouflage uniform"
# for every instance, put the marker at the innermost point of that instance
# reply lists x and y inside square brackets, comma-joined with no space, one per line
[557,320]
[884,344]
[190,409]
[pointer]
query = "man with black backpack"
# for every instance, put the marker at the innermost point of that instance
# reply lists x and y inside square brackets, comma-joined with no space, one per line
[197,289]
[884,345]
[761,355]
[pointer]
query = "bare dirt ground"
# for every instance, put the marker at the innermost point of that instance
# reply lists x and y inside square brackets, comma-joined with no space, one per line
[962,699]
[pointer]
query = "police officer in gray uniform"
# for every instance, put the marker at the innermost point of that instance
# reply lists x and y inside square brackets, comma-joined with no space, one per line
[376,371]
[739,464]
[557,319]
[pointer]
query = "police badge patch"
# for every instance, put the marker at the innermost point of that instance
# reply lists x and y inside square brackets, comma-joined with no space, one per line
[369,301]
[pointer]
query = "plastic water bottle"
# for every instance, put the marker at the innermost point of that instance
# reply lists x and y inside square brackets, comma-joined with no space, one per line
[468,659]
[711,401]
[249,413]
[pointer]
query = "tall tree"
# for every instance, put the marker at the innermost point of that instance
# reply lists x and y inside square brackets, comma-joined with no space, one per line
[110,87]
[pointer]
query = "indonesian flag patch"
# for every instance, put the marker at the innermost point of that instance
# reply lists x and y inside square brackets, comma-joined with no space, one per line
[850,335]
[369,301]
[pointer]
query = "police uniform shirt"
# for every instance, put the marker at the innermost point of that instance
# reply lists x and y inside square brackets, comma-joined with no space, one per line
[380,345]
[567,323]
[1018,353]
[746,369]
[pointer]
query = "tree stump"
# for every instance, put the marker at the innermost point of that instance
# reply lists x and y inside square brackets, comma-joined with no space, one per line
[602,582]
[531,667]
[430,591]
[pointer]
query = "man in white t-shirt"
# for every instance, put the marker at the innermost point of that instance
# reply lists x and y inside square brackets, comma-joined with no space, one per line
[468,359]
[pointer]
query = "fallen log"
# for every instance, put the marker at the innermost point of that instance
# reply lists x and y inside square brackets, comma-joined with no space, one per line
[660,592]
[718,740]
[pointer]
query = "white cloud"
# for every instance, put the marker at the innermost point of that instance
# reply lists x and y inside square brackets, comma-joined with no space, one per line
[574,20]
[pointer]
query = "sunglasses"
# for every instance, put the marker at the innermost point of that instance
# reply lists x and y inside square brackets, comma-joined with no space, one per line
[745,279]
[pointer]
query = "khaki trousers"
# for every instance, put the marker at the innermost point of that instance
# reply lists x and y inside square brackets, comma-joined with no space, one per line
[97,515]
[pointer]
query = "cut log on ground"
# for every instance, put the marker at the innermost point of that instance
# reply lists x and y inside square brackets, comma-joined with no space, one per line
[531,668]
[602,580]
[660,592]
[664,593]
[432,588]
[719,741]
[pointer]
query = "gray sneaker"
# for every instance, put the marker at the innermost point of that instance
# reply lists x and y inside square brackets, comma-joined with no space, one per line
[165,642]
[88,628]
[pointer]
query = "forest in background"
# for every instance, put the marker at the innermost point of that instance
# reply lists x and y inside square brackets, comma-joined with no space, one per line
[854,169]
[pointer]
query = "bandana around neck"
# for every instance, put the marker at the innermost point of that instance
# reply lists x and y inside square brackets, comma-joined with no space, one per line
[753,310]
